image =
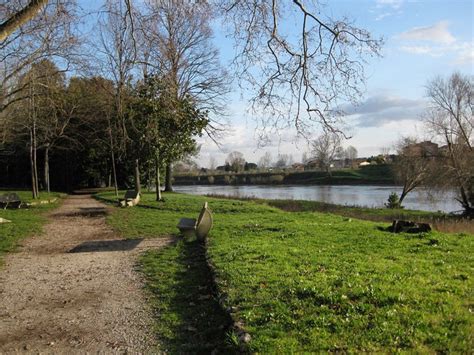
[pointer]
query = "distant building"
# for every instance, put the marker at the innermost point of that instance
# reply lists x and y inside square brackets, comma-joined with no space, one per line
[298,167]
[312,164]
[426,149]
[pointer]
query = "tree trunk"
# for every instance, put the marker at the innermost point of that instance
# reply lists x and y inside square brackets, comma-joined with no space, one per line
[114,171]
[157,179]
[169,176]
[46,168]
[149,176]
[32,166]
[35,160]
[138,187]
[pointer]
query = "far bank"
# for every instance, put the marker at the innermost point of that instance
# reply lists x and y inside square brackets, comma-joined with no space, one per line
[367,175]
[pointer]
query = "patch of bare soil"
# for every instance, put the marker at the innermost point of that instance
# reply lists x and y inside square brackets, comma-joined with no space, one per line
[73,289]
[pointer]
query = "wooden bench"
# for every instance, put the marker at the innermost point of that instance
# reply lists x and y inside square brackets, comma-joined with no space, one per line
[199,227]
[130,199]
[11,200]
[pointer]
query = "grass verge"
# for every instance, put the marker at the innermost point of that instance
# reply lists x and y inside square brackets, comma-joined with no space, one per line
[442,222]
[24,221]
[189,318]
[308,281]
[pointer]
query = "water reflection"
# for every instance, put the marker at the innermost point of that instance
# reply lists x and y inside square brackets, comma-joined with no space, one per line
[360,195]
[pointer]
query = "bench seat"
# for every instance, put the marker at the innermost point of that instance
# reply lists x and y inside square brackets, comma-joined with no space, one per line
[199,227]
[11,200]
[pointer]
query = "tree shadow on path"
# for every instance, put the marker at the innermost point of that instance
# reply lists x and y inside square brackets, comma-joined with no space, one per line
[189,318]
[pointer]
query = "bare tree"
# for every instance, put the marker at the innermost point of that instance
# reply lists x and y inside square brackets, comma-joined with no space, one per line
[265,161]
[450,120]
[350,153]
[48,35]
[178,34]
[282,161]
[413,165]
[298,76]
[326,148]
[236,161]
[54,112]
[212,163]
[118,54]
[385,151]
[304,158]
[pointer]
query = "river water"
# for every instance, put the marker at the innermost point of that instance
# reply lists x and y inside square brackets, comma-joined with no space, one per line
[351,195]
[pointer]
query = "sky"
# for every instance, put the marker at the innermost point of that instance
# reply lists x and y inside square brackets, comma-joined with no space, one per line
[422,39]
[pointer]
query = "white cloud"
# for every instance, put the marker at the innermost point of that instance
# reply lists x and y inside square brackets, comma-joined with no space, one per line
[382,16]
[437,41]
[465,57]
[437,33]
[431,51]
[243,138]
[462,52]
[381,110]
[395,4]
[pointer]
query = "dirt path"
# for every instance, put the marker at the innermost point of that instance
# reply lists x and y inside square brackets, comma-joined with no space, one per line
[73,289]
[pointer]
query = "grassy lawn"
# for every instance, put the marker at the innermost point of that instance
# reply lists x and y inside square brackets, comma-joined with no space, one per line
[308,281]
[25,221]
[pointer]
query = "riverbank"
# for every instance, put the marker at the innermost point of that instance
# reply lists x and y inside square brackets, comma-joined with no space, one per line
[304,281]
[368,175]
[440,221]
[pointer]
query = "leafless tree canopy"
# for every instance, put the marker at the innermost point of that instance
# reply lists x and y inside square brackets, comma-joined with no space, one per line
[413,165]
[48,35]
[236,161]
[297,78]
[326,148]
[265,161]
[177,37]
[450,120]
[350,153]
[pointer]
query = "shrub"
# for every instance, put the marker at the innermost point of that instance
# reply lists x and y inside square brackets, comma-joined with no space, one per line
[393,201]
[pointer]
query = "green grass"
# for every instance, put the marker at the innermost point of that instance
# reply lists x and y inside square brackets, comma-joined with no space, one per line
[25,221]
[190,319]
[443,222]
[308,281]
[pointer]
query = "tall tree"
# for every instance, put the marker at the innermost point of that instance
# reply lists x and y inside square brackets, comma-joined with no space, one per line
[413,165]
[265,161]
[179,36]
[49,35]
[163,127]
[236,161]
[118,51]
[326,148]
[450,120]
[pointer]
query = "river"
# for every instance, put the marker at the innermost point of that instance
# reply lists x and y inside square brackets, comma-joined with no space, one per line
[351,195]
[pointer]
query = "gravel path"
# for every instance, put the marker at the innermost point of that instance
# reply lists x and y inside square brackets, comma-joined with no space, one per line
[73,289]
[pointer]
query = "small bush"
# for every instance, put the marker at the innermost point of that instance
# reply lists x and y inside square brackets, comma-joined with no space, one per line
[393,201]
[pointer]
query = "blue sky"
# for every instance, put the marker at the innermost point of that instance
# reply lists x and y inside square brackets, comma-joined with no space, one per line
[422,39]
